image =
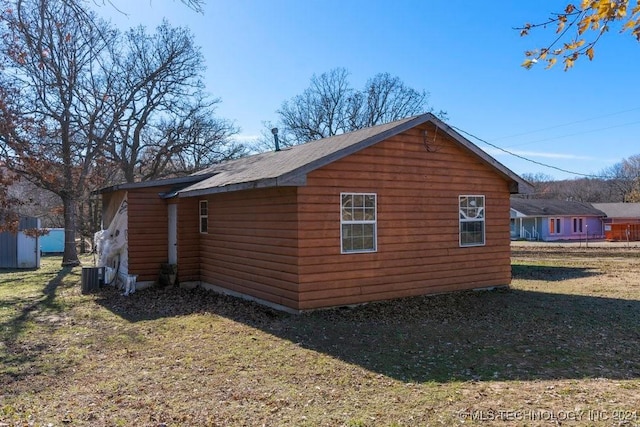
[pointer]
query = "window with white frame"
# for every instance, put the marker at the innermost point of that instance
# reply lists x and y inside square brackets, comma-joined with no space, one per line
[555,225]
[204,216]
[578,224]
[358,222]
[471,213]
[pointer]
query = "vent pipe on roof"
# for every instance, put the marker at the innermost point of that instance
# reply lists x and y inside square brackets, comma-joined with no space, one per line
[274,131]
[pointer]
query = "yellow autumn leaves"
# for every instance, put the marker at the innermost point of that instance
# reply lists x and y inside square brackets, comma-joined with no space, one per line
[578,30]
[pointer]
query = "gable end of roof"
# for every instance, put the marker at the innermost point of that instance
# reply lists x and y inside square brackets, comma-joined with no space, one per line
[317,155]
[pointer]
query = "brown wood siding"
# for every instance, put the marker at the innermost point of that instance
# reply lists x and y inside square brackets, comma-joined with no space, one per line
[148,232]
[418,228]
[188,240]
[251,246]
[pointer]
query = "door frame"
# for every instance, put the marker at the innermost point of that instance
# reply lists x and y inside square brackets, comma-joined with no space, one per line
[172,214]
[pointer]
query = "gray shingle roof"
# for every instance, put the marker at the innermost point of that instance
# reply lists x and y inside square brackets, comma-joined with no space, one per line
[291,165]
[619,210]
[544,207]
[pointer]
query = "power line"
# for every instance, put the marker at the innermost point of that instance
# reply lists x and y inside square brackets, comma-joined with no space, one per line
[527,159]
[574,134]
[567,124]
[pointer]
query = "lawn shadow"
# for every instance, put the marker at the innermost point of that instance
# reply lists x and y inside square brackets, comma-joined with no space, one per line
[550,273]
[11,330]
[481,336]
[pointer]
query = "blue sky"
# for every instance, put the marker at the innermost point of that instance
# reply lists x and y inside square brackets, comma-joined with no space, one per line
[465,53]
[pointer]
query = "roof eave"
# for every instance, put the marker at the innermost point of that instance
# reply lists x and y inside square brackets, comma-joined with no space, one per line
[298,176]
[155,183]
[283,181]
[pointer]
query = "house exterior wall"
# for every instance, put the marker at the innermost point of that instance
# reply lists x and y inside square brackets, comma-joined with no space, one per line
[591,224]
[20,250]
[251,246]
[621,220]
[8,250]
[621,231]
[53,241]
[418,249]
[147,232]
[188,240]
[282,245]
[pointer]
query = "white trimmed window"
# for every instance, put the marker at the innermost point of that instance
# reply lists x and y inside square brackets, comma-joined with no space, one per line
[204,216]
[358,222]
[555,225]
[471,212]
[578,225]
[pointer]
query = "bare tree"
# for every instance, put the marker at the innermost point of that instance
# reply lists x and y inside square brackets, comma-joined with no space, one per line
[322,110]
[624,179]
[9,204]
[331,106]
[189,142]
[52,94]
[385,99]
[196,5]
[163,123]
[34,201]
[631,166]
[542,186]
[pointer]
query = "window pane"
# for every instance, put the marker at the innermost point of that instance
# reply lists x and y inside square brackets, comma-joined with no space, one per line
[347,201]
[347,207]
[358,237]
[346,238]
[368,237]
[358,201]
[203,225]
[471,233]
[370,214]
[356,230]
[370,201]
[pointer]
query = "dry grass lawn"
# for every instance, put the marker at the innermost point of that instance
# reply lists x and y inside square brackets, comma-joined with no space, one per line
[561,347]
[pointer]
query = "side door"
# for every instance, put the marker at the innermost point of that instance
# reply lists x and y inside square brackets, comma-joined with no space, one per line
[173,233]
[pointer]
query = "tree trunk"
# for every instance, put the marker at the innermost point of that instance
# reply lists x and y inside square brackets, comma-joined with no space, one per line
[70,256]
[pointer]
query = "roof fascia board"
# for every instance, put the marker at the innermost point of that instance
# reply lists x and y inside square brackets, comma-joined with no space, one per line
[156,183]
[263,183]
